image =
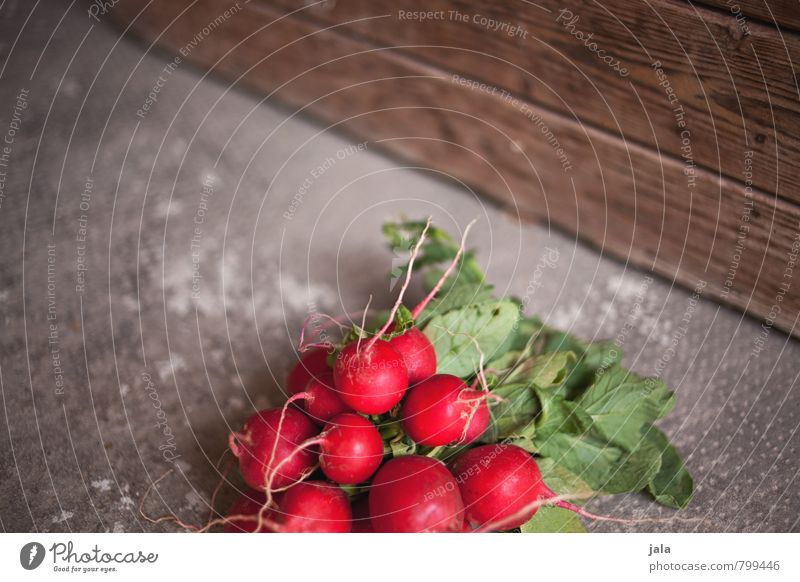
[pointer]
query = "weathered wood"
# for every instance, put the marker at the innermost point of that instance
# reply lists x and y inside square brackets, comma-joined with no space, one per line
[635,204]
[737,92]
[784,14]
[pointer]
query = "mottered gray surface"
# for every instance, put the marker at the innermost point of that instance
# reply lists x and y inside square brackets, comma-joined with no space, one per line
[156,270]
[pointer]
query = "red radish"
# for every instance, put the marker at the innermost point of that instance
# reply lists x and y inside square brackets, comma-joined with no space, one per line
[418,354]
[321,401]
[371,380]
[313,507]
[502,488]
[248,503]
[497,483]
[265,458]
[361,520]
[351,449]
[443,410]
[312,364]
[415,494]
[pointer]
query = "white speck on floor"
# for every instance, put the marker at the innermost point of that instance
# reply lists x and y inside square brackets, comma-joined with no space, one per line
[183,466]
[194,500]
[129,302]
[565,316]
[174,365]
[166,207]
[235,403]
[300,296]
[102,484]
[62,517]
[126,502]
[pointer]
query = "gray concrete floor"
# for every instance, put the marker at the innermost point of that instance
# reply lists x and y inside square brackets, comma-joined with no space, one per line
[133,341]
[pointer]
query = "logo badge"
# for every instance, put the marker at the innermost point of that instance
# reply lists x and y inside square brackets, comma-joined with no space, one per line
[31,555]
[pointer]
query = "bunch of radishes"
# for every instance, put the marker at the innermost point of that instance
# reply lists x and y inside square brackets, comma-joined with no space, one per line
[327,428]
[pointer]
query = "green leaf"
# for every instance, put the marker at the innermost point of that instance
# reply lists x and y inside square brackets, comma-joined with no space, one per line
[402,320]
[402,447]
[591,357]
[553,520]
[545,370]
[559,416]
[528,329]
[517,409]
[623,405]
[439,249]
[456,296]
[605,467]
[672,485]
[460,335]
[562,481]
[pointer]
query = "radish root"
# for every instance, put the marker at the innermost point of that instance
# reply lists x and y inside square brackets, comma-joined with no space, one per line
[390,319]
[424,303]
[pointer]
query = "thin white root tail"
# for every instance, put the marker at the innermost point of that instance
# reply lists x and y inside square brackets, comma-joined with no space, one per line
[390,319]
[424,303]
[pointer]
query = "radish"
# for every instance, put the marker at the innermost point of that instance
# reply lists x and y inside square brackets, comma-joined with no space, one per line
[502,488]
[443,410]
[312,364]
[272,448]
[418,354]
[351,449]
[415,494]
[497,482]
[321,400]
[313,507]
[248,503]
[372,380]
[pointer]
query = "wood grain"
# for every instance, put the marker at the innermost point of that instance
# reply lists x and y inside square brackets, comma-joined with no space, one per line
[738,91]
[625,198]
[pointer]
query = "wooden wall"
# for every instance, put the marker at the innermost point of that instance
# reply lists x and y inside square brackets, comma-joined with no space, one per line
[682,155]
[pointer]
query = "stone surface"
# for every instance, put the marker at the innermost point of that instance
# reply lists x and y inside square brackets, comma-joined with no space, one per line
[108,218]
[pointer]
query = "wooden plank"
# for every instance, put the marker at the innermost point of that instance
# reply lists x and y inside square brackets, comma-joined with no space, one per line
[625,199]
[738,92]
[784,14]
